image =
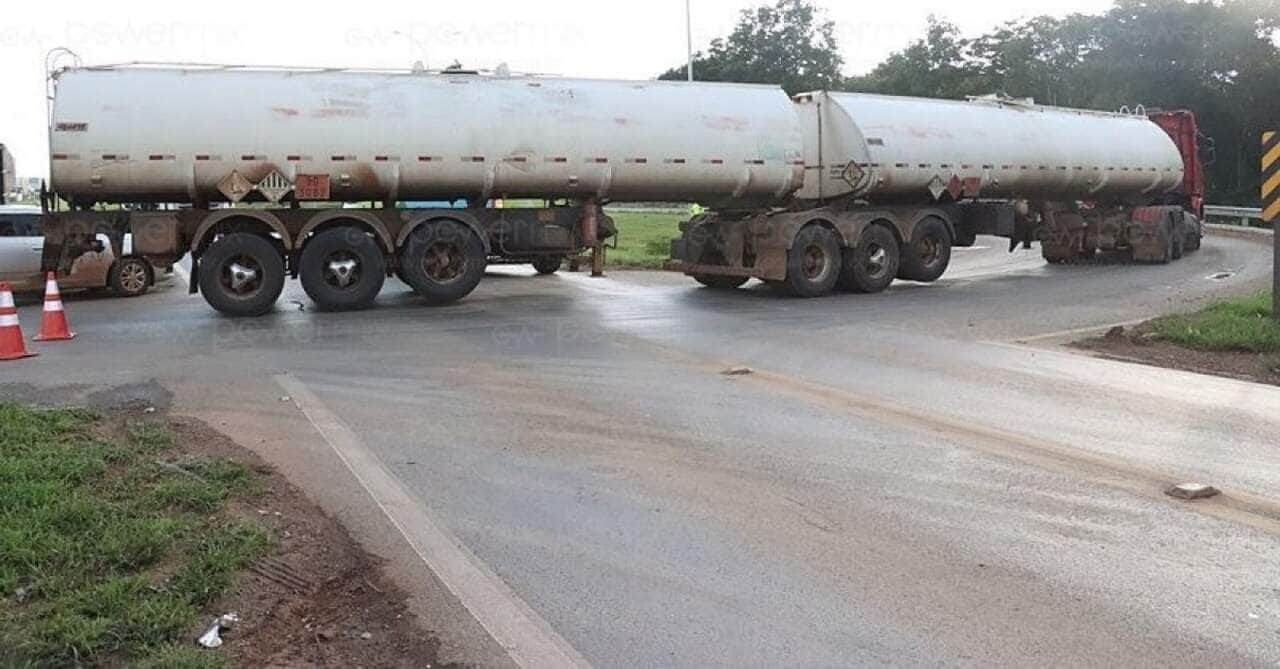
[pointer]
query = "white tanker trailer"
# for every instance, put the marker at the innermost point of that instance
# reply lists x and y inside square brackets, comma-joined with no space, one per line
[892,183]
[248,170]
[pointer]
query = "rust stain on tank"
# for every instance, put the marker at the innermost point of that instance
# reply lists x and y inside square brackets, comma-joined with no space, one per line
[363,179]
[255,172]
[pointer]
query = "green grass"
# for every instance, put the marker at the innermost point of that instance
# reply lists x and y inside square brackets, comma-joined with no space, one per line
[644,239]
[1243,324]
[110,548]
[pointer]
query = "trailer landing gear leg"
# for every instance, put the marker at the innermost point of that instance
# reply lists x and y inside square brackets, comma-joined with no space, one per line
[597,260]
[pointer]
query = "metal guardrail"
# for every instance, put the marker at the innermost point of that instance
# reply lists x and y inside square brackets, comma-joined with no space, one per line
[1245,215]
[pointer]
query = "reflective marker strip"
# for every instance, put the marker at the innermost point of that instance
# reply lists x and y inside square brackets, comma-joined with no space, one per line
[53,305]
[8,321]
[1270,176]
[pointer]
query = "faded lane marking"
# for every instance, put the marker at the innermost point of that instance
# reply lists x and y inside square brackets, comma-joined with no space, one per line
[1075,331]
[527,638]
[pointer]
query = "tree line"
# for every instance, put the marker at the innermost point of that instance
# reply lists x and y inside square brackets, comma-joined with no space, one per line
[1218,58]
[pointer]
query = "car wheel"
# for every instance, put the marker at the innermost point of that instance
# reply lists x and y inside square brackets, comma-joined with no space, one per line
[131,276]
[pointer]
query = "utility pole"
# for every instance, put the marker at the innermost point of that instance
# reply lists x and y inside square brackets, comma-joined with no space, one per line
[688,33]
[1271,208]
[414,43]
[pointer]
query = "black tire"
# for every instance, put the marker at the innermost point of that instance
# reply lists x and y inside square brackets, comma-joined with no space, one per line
[131,276]
[814,262]
[444,261]
[1193,242]
[928,253]
[238,295]
[1179,240]
[720,282]
[342,269]
[548,264]
[871,265]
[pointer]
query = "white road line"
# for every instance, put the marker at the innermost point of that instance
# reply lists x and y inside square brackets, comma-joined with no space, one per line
[526,637]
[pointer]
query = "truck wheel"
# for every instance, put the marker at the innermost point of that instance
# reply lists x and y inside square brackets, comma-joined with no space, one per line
[720,282]
[443,261]
[342,269]
[548,264]
[928,254]
[871,266]
[1179,241]
[242,274]
[813,263]
[130,277]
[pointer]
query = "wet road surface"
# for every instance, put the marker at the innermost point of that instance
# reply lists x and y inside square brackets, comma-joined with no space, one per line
[900,480]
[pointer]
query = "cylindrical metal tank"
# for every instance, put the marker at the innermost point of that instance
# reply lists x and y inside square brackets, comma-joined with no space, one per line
[913,150]
[147,134]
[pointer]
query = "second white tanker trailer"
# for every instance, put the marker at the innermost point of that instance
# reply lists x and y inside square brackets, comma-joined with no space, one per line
[892,183]
[248,169]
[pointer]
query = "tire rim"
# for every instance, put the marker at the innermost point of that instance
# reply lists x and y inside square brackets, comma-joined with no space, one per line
[815,261]
[929,249]
[133,277]
[444,262]
[342,270]
[241,275]
[877,260]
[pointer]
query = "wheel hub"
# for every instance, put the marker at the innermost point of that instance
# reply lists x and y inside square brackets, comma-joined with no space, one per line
[133,277]
[877,260]
[242,277]
[444,262]
[342,272]
[815,262]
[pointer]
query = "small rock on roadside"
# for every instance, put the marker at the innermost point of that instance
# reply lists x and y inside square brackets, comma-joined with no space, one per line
[1116,332]
[738,371]
[366,636]
[1192,491]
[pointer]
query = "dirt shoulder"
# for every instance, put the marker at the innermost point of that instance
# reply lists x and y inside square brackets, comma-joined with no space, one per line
[319,599]
[1142,344]
[197,527]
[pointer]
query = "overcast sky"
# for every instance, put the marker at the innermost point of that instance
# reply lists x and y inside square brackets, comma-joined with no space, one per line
[586,38]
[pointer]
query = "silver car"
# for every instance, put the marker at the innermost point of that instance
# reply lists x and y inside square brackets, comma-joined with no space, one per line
[95,266]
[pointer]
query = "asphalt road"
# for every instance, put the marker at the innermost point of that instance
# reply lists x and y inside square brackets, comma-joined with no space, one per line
[899,482]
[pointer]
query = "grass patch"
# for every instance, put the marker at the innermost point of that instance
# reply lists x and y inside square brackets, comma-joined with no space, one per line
[1244,324]
[644,238]
[110,547]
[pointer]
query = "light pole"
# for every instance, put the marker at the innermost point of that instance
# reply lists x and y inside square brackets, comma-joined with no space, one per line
[688,32]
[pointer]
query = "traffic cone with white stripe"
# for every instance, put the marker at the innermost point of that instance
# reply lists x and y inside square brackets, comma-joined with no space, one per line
[12,347]
[53,326]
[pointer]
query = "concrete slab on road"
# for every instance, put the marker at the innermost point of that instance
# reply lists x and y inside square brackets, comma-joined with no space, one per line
[895,484]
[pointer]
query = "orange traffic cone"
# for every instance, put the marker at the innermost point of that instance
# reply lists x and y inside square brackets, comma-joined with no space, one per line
[11,345]
[53,326]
